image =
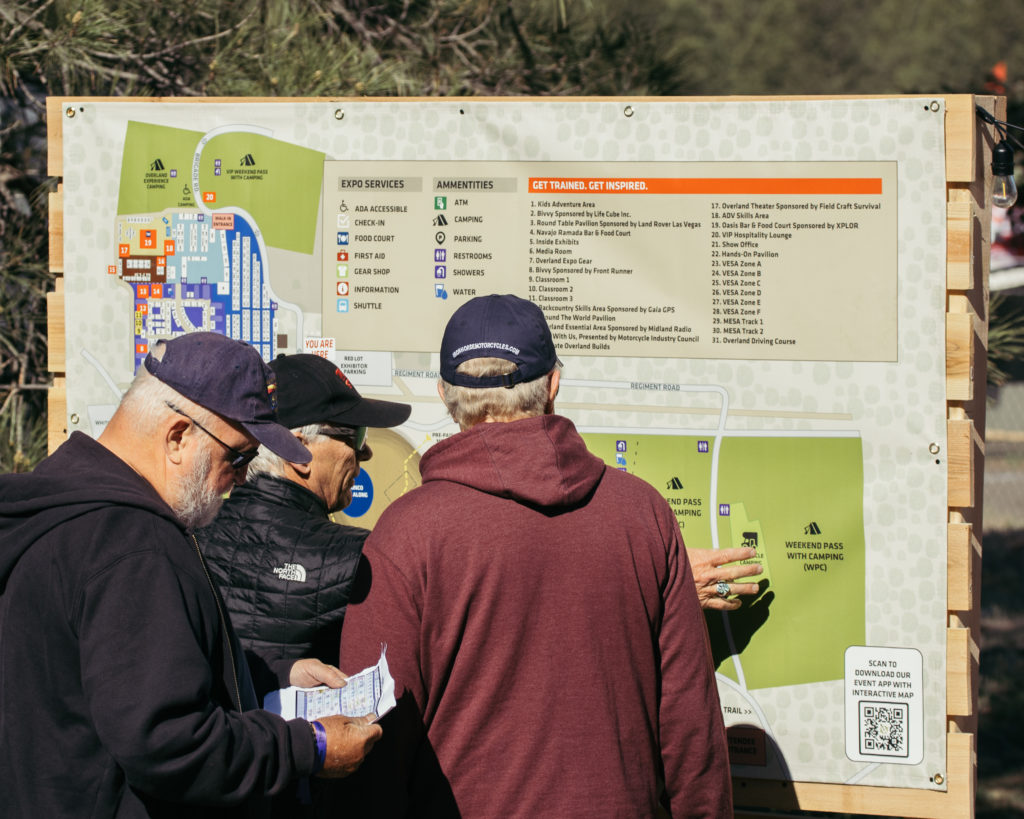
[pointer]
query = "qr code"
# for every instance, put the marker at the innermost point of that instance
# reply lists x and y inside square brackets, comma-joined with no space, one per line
[883,728]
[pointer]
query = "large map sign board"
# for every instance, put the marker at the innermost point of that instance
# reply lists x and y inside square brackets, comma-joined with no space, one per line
[748,297]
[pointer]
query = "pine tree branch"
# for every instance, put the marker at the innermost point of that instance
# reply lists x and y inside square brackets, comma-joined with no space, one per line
[16,30]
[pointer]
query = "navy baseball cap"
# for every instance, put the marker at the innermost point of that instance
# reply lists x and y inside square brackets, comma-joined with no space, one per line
[230,378]
[312,390]
[496,326]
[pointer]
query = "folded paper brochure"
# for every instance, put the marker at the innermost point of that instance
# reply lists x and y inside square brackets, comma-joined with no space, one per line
[371,691]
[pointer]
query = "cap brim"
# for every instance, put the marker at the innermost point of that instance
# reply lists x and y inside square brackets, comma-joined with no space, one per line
[280,441]
[369,412]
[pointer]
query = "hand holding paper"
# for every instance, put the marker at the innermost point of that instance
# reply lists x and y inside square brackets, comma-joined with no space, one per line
[370,692]
[310,672]
[349,740]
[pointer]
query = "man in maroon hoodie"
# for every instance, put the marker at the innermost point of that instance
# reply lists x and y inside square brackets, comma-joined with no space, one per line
[539,611]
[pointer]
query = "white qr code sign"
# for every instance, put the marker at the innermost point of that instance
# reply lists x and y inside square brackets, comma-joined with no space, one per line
[884,711]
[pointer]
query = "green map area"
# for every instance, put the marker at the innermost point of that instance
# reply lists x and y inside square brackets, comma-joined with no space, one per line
[799,502]
[156,169]
[276,183]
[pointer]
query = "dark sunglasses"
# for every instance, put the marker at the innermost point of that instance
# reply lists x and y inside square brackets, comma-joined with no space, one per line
[355,437]
[237,459]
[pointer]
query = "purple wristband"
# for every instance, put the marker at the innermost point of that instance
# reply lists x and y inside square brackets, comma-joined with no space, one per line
[320,736]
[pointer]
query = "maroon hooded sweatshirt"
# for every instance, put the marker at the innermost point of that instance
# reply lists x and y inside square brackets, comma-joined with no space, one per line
[541,619]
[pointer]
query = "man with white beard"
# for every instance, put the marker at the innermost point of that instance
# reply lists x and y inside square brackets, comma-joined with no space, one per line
[123,688]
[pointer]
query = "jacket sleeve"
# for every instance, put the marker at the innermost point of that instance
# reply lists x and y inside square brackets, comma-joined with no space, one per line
[153,665]
[693,744]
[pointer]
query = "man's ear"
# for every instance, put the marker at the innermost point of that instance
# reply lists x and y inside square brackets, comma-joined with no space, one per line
[302,470]
[553,382]
[174,438]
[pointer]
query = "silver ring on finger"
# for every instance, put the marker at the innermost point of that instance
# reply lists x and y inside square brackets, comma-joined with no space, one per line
[722,589]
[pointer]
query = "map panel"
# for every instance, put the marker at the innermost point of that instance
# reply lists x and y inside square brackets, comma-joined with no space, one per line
[189,241]
[799,502]
[747,298]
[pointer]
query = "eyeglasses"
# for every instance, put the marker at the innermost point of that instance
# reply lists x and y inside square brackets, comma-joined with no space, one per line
[355,437]
[238,460]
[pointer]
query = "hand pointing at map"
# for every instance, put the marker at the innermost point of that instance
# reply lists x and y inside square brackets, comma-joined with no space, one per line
[715,579]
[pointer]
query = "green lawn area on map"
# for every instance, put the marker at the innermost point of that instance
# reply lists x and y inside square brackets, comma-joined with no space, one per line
[799,502]
[285,200]
[276,183]
[152,153]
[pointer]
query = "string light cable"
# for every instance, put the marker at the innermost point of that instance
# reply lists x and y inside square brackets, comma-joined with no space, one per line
[1004,187]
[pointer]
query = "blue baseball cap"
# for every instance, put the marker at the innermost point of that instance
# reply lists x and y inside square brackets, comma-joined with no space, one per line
[230,378]
[494,326]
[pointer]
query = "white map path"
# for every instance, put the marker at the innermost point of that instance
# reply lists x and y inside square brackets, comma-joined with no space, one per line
[258,234]
[718,432]
[103,374]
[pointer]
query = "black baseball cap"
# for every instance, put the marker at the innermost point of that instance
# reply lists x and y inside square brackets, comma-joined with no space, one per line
[496,326]
[230,378]
[312,390]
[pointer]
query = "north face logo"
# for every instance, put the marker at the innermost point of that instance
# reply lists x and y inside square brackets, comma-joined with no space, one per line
[292,571]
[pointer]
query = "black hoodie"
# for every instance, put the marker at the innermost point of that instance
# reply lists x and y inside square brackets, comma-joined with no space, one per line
[118,692]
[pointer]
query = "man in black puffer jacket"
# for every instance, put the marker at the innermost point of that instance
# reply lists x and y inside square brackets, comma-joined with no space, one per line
[284,567]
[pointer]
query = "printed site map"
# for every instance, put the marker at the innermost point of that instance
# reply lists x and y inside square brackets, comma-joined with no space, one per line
[743,297]
[193,230]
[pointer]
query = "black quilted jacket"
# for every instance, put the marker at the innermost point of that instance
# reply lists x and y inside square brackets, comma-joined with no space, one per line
[284,568]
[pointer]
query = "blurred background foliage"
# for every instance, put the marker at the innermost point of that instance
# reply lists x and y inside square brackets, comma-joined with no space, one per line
[272,48]
[428,48]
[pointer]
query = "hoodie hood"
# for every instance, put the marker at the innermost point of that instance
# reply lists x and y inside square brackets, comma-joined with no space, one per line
[539,461]
[80,477]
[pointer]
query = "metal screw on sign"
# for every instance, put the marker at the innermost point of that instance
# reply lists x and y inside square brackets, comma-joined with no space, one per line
[934,106]
[74,418]
[339,113]
[933,448]
[628,111]
[70,112]
[938,779]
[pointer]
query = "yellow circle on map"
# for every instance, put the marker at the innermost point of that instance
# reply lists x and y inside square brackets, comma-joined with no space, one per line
[394,470]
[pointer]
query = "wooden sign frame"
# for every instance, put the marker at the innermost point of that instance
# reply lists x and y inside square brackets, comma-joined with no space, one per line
[968,146]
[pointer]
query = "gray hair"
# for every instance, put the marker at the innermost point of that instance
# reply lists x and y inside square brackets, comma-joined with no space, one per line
[146,401]
[269,463]
[469,406]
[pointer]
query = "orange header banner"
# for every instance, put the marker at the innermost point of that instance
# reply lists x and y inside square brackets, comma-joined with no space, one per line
[721,186]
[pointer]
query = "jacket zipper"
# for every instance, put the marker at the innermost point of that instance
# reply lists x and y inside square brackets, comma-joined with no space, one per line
[223,623]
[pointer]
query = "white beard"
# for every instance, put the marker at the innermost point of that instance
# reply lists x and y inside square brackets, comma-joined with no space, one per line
[195,503]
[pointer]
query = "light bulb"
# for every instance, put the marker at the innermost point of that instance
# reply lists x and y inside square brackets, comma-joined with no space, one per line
[1004,191]
[1004,188]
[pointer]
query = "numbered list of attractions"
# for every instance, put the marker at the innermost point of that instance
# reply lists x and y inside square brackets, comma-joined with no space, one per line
[772,261]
